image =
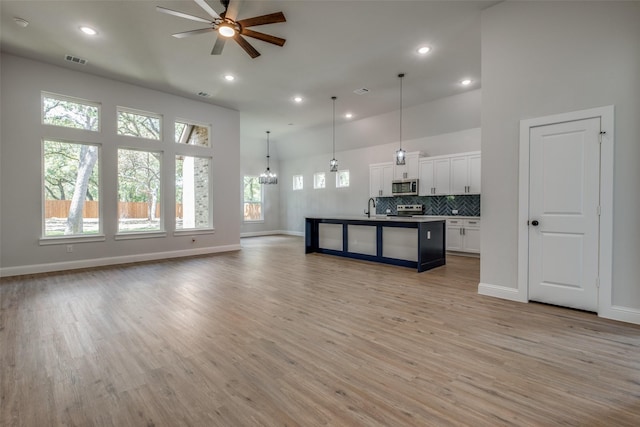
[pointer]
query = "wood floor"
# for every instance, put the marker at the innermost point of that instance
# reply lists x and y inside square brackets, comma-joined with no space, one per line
[268,336]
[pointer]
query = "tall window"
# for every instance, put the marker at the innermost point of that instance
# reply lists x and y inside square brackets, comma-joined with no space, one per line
[139,124]
[139,204]
[298,182]
[319,180]
[71,189]
[253,192]
[193,192]
[342,179]
[191,134]
[70,112]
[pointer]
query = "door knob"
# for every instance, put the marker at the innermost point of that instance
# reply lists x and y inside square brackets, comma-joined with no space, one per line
[535,223]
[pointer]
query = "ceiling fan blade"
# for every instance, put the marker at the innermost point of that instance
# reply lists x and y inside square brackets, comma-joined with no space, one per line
[182,15]
[262,36]
[192,33]
[204,5]
[246,46]
[218,46]
[271,18]
[232,9]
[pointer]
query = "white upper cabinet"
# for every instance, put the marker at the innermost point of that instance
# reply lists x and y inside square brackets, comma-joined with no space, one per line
[410,170]
[465,173]
[434,176]
[380,178]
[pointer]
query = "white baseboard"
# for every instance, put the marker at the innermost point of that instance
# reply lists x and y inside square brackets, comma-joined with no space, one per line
[623,314]
[503,292]
[101,262]
[272,233]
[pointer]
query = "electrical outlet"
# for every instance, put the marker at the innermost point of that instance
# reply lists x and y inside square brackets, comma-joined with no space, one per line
[69,249]
[388,211]
[454,211]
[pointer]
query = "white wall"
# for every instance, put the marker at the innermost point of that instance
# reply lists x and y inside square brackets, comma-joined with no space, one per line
[22,81]
[544,58]
[295,205]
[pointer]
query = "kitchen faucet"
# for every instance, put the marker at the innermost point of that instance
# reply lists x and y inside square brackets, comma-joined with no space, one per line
[368,211]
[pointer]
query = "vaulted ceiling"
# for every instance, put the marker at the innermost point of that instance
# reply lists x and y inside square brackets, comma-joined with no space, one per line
[333,48]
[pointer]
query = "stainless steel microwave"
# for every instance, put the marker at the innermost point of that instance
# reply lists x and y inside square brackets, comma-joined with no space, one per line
[404,187]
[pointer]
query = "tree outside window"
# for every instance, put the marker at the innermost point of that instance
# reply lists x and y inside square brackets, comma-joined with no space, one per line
[71,189]
[319,180]
[298,182]
[342,179]
[252,196]
[139,124]
[139,204]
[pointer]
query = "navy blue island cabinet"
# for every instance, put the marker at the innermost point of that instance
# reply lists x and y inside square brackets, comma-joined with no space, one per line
[417,242]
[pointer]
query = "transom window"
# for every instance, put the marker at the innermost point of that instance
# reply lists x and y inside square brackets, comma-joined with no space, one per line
[342,179]
[191,134]
[65,111]
[298,182]
[139,124]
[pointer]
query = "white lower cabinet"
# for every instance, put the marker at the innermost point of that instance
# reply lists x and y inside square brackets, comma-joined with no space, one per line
[463,235]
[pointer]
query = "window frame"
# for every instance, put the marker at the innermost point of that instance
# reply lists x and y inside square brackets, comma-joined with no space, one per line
[315,180]
[195,230]
[253,221]
[143,113]
[194,123]
[71,99]
[338,178]
[72,238]
[140,234]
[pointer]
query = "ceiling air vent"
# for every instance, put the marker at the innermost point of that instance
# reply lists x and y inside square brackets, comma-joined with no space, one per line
[203,94]
[361,91]
[75,59]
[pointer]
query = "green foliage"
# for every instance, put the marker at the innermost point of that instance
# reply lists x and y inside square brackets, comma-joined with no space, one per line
[60,112]
[61,162]
[252,189]
[138,176]
[131,124]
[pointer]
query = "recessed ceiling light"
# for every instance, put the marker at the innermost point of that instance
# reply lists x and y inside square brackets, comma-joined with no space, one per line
[466,82]
[424,50]
[21,22]
[348,115]
[88,31]
[229,77]
[297,99]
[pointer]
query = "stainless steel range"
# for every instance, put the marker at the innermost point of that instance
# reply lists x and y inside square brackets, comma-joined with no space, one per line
[410,210]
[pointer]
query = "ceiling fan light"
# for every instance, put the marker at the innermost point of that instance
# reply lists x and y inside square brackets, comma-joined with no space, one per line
[226,30]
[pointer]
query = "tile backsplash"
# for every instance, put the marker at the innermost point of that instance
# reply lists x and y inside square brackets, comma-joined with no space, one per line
[433,205]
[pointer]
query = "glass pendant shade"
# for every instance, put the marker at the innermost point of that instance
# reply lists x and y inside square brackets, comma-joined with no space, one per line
[333,165]
[400,156]
[268,177]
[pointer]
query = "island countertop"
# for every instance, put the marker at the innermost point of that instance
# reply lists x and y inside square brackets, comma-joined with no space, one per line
[417,242]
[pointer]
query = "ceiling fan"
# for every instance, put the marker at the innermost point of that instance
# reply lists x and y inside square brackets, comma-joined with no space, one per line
[227,26]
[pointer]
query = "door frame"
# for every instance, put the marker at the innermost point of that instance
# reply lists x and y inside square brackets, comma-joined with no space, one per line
[605,258]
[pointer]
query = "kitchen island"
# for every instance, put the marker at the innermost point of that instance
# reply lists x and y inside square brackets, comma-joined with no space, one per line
[415,242]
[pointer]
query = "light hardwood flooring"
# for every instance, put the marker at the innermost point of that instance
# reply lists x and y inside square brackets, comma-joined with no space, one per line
[268,336]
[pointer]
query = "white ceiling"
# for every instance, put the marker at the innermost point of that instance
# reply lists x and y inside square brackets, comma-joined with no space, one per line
[332,48]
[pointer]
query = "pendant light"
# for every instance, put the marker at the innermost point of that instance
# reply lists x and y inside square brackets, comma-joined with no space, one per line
[333,164]
[400,154]
[268,177]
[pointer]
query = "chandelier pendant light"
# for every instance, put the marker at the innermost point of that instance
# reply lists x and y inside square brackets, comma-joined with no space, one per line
[333,164]
[268,177]
[400,154]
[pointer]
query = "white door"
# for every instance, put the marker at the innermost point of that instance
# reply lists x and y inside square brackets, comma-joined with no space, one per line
[387,179]
[441,176]
[425,178]
[563,213]
[459,174]
[475,177]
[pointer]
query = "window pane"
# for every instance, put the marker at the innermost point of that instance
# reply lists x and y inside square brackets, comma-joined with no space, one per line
[192,192]
[252,196]
[297,182]
[70,112]
[71,189]
[139,207]
[138,125]
[319,180]
[191,134]
[342,179]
